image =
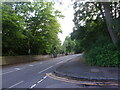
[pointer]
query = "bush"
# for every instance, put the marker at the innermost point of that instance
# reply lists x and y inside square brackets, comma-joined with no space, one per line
[106,56]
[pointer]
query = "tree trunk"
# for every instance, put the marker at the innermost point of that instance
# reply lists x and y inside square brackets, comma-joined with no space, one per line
[108,19]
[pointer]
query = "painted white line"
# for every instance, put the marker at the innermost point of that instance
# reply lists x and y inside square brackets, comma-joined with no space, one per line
[45,69]
[69,58]
[51,66]
[42,79]
[31,65]
[33,86]
[60,62]
[8,72]
[17,68]
[65,60]
[16,84]
[38,82]
[40,62]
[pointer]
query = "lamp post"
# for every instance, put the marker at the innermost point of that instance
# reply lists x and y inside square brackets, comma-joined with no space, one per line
[29,50]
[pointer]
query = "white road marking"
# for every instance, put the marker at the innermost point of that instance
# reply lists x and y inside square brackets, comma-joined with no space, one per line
[33,86]
[52,66]
[42,79]
[17,68]
[60,62]
[69,58]
[65,60]
[16,84]
[38,82]
[45,69]
[40,62]
[31,65]
[8,72]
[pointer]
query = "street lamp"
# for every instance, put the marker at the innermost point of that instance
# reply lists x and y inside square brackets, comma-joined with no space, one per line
[29,50]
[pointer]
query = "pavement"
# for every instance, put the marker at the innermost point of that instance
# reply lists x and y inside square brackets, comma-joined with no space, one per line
[77,68]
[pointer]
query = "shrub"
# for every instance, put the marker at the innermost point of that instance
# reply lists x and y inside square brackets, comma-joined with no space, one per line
[106,56]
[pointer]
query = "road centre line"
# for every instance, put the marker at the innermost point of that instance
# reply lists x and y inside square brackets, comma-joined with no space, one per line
[42,79]
[8,72]
[15,85]
[31,65]
[48,68]
[16,69]
[52,66]
[40,62]
[38,82]
[60,62]
[33,85]
[45,69]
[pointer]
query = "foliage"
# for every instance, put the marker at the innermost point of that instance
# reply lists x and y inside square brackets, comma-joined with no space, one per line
[78,48]
[29,26]
[68,45]
[92,35]
[103,56]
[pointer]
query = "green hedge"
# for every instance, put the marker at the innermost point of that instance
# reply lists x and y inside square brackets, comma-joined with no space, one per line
[106,56]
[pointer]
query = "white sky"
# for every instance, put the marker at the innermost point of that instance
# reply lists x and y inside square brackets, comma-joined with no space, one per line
[66,24]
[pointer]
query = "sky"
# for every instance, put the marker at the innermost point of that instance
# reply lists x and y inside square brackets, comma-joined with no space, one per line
[66,24]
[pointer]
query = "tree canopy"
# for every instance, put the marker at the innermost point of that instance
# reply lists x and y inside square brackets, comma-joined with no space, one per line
[68,45]
[97,31]
[29,26]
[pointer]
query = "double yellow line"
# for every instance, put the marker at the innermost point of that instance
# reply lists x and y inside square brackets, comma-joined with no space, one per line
[91,83]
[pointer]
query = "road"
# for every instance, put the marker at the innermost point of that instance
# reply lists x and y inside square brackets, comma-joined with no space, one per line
[33,75]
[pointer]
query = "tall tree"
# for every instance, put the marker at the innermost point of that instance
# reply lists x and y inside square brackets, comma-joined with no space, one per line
[109,20]
[96,30]
[29,26]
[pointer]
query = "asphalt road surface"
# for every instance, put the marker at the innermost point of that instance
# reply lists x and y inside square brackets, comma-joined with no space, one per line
[33,75]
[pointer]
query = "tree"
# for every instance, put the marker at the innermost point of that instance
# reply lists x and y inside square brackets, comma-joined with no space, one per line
[29,25]
[12,30]
[68,45]
[108,12]
[109,20]
[96,32]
